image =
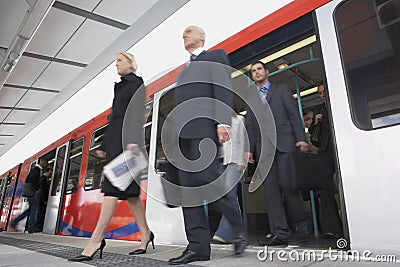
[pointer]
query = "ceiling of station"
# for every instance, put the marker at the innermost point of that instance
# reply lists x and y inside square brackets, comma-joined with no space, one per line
[75,40]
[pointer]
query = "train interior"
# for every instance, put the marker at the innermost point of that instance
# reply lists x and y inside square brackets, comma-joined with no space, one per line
[50,158]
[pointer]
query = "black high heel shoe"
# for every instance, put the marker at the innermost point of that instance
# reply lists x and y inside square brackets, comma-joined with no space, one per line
[141,250]
[89,258]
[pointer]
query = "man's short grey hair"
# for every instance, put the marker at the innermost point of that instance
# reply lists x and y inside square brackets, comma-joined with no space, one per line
[200,30]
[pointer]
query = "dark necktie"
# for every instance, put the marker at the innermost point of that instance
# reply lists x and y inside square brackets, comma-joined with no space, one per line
[192,57]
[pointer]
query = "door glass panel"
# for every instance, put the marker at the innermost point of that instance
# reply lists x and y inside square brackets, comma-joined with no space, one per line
[94,176]
[369,40]
[56,186]
[75,161]
[3,185]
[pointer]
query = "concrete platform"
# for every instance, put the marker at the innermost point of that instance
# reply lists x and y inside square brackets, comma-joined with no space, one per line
[20,249]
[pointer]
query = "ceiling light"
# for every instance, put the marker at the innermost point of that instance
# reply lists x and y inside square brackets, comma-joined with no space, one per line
[11,62]
[282,66]
[307,92]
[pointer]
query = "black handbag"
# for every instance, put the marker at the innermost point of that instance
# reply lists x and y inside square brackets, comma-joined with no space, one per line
[29,190]
[316,135]
[169,181]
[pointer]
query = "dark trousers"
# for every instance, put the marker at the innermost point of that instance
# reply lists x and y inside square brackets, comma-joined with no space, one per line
[281,193]
[196,221]
[31,211]
[41,212]
[329,216]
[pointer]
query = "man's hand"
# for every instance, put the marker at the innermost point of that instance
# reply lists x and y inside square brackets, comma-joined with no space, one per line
[101,153]
[249,157]
[133,148]
[223,133]
[303,146]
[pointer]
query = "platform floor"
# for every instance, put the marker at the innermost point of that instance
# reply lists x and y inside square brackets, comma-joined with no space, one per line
[31,250]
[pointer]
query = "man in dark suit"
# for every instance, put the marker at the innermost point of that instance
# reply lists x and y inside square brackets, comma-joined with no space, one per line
[329,216]
[32,181]
[203,124]
[281,178]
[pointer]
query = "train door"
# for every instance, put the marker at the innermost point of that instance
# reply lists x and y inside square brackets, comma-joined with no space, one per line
[293,57]
[3,184]
[171,228]
[361,49]
[56,194]
[72,203]
[7,195]
[22,226]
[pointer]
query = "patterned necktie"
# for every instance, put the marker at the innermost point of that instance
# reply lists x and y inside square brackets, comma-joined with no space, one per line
[263,92]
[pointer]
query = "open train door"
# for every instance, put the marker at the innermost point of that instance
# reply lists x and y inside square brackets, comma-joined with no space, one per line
[57,190]
[360,45]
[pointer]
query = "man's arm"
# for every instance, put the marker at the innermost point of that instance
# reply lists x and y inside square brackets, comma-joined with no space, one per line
[293,113]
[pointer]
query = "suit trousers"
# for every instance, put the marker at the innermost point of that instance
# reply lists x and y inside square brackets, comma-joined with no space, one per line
[195,218]
[329,216]
[280,182]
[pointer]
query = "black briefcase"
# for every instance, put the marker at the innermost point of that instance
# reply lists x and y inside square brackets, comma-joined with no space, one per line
[170,183]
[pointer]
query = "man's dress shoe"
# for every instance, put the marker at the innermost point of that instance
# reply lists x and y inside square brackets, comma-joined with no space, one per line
[273,241]
[303,232]
[187,257]
[240,244]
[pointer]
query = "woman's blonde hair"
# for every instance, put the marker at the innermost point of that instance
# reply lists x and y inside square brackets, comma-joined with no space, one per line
[131,59]
[308,115]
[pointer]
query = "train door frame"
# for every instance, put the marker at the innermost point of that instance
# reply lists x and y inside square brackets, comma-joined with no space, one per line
[171,231]
[25,204]
[57,191]
[307,29]
[9,198]
[369,181]
[3,190]
[3,186]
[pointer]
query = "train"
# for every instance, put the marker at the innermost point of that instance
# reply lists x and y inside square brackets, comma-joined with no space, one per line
[351,46]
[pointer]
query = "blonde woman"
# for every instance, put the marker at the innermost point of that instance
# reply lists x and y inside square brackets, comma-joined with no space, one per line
[111,147]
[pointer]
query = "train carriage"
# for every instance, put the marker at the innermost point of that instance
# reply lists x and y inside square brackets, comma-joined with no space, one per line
[351,46]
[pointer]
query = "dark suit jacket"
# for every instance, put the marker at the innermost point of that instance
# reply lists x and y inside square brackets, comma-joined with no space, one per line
[288,125]
[34,177]
[208,80]
[325,134]
[114,143]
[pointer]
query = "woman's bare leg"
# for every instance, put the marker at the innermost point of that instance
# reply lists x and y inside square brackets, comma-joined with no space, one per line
[106,213]
[137,209]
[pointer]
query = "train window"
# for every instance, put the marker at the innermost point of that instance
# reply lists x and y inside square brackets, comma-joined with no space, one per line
[3,185]
[75,161]
[369,40]
[147,125]
[58,170]
[94,176]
